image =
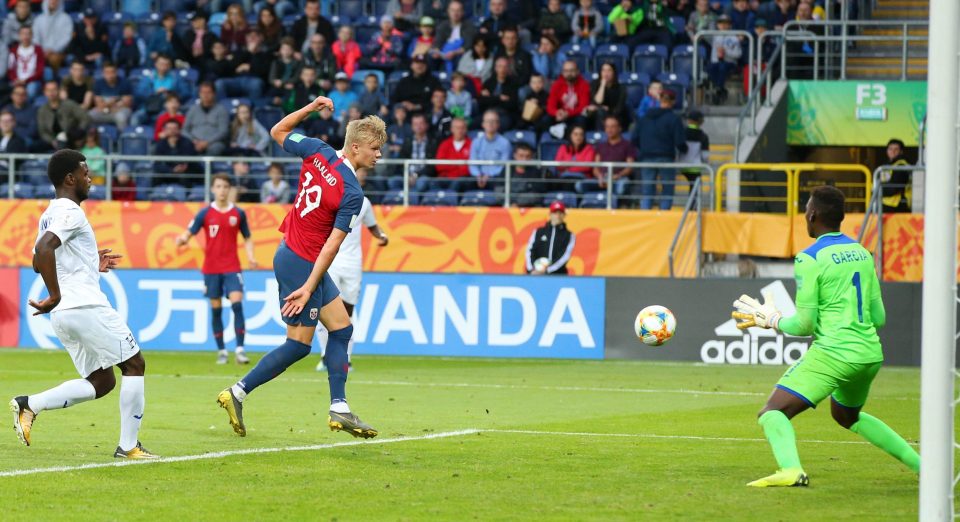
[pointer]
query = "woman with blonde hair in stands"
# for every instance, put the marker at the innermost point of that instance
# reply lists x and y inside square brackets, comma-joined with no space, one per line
[233,32]
[247,136]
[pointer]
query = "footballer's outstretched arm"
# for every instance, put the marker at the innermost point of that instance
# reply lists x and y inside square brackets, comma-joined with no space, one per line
[379,234]
[45,263]
[289,122]
[295,302]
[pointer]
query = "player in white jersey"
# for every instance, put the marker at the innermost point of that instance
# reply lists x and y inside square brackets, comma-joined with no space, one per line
[347,268]
[66,257]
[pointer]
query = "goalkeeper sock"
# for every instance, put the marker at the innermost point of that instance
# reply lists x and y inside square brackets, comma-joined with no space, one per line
[217,313]
[882,436]
[782,439]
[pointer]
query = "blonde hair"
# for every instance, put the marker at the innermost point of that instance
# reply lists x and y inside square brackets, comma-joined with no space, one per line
[370,130]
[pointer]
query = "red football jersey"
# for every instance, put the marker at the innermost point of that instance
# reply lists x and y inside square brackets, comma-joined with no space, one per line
[220,228]
[328,196]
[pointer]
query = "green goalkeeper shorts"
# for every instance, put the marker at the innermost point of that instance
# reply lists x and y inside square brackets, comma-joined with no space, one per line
[818,374]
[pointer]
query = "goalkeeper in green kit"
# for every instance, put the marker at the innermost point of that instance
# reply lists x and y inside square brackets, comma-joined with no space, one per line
[839,303]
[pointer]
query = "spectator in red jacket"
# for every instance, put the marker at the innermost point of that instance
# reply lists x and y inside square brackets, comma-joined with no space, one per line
[171,112]
[26,62]
[577,150]
[456,147]
[346,51]
[569,96]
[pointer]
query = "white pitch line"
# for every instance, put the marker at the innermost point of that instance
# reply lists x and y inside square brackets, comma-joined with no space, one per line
[231,453]
[672,437]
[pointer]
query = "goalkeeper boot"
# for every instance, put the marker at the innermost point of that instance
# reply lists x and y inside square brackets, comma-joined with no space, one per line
[228,401]
[351,424]
[23,418]
[138,452]
[794,477]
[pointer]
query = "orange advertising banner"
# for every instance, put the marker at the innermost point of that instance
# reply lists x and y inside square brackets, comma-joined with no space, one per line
[467,239]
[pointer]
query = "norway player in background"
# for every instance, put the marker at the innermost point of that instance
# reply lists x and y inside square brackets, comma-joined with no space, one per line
[347,268]
[96,337]
[221,223]
[327,206]
[839,303]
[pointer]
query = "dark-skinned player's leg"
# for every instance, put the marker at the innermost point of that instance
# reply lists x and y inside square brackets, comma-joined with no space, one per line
[774,418]
[131,407]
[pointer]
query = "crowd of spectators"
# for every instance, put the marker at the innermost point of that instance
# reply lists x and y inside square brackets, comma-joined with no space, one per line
[492,80]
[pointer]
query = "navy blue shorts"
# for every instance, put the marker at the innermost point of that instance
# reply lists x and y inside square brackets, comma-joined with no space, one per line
[292,271]
[219,285]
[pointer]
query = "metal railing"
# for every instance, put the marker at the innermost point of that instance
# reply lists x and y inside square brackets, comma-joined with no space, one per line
[791,183]
[696,56]
[874,212]
[750,108]
[848,33]
[507,180]
[695,199]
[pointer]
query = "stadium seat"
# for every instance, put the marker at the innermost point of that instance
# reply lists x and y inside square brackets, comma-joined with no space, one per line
[380,7]
[20,191]
[268,116]
[138,130]
[568,198]
[197,193]
[231,104]
[439,198]
[364,30]
[394,78]
[109,131]
[549,147]
[634,78]
[594,137]
[114,23]
[395,197]
[361,74]
[177,6]
[681,61]
[351,8]
[525,136]
[136,7]
[98,192]
[635,94]
[597,200]
[168,193]
[101,6]
[675,78]
[617,54]
[580,53]
[649,59]
[133,145]
[479,198]
[44,191]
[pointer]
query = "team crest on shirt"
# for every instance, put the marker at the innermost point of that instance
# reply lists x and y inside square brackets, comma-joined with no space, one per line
[313,314]
[233,221]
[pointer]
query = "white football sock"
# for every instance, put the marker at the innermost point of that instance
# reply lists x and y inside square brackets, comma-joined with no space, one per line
[340,407]
[350,349]
[238,392]
[323,336]
[239,349]
[131,410]
[63,396]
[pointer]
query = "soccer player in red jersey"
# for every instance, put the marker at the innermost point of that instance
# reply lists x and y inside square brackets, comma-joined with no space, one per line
[221,222]
[327,206]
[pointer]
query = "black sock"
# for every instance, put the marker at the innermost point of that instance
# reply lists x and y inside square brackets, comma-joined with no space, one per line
[239,325]
[218,326]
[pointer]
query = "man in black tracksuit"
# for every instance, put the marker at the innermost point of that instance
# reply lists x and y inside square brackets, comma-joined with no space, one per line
[552,242]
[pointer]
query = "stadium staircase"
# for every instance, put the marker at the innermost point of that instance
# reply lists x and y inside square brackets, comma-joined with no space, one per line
[881,59]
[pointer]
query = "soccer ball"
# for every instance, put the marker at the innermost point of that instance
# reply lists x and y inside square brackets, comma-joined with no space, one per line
[655,325]
[541,264]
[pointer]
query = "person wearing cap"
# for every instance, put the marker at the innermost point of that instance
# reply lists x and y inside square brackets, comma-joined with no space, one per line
[423,44]
[553,241]
[724,56]
[661,136]
[124,187]
[413,91]
[52,31]
[384,49]
[342,96]
[89,44]
[698,146]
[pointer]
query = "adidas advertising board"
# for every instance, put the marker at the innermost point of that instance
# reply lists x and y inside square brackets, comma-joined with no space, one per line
[706,334]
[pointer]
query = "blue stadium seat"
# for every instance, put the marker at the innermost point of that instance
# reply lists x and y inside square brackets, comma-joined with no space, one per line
[108,132]
[393,79]
[580,53]
[101,6]
[361,74]
[197,193]
[594,137]
[168,193]
[114,23]
[395,197]
[439,198]
[525,136]
[675,78]
[44,191]
[649,59]
[136,7]
[133,145]
[231,104]
[351,8]
[138,130]
[597,200]
[635,94]
[216,22]
[268,116]
[364,32]
[20,190]
[549,147]
[634,78]
[617,54]
[568,198]
[479,198]
[681,61]
[338,20]
[98,192]
[380,7]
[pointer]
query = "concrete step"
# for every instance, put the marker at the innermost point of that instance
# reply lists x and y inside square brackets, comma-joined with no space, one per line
[721,153]
[901,14]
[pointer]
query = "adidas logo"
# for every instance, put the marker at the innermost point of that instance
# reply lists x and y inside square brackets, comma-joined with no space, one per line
[757,345]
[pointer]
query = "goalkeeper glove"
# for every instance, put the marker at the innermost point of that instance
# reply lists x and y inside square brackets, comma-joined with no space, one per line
[751,312]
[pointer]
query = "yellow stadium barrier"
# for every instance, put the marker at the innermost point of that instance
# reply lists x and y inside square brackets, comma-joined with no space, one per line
[858,193]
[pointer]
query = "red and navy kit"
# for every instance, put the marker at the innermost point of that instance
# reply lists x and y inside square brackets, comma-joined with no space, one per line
[220,228]
[328,196]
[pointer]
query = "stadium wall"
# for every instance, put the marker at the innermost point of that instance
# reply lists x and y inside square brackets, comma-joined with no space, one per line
[468,239]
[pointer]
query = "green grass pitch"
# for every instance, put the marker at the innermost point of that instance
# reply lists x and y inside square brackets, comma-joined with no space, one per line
[513,440]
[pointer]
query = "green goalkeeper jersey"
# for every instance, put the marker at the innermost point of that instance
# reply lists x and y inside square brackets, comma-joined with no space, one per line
[838,299]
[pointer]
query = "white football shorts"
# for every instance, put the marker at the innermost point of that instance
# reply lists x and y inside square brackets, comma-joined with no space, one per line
[95,337]
[348,281]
